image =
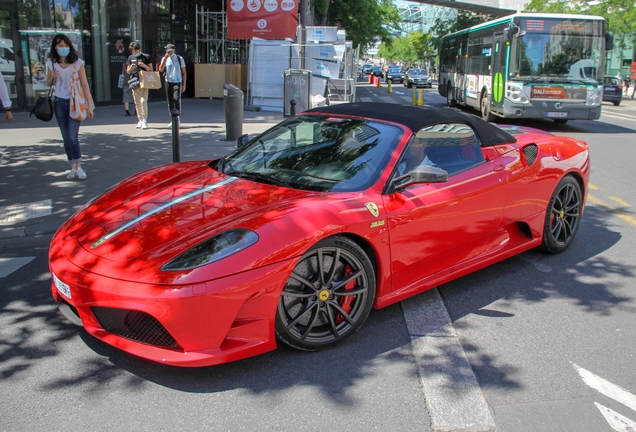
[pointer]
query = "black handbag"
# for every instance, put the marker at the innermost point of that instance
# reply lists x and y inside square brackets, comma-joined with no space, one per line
[43,108]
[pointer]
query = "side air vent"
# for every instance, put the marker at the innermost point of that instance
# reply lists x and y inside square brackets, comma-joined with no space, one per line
[530,152]
[136,326]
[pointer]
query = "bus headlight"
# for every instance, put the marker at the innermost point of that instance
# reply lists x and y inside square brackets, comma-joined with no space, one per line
[515,93]
[594,97]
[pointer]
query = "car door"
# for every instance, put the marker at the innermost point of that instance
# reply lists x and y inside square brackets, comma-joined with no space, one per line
[434,226]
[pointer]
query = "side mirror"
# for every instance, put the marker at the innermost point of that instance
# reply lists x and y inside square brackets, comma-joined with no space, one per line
[421,174]
[508,33]
[242,140]
[609,42]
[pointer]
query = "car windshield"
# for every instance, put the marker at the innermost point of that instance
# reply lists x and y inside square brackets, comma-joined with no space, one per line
[417,72]
[610,80]
[396,70]
[317,153]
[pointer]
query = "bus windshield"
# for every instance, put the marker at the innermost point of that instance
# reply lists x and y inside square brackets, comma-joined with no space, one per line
[557,50]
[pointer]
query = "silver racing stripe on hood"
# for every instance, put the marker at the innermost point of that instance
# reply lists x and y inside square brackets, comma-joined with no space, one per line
[161,208]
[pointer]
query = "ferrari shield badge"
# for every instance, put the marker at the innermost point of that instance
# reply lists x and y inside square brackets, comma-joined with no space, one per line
[373,209]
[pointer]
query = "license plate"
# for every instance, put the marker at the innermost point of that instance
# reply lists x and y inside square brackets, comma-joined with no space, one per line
[557,114]
[62,287]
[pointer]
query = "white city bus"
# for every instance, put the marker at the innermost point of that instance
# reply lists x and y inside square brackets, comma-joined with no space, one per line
[527,65]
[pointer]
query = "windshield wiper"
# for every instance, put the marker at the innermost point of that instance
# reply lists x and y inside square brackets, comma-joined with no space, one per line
[263,178]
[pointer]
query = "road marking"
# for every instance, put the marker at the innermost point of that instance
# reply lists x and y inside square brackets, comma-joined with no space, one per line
[9,265]
[607,388]
[453,396]
[619,201]
[593,187]
[627,218]
[20,212]
[617,421]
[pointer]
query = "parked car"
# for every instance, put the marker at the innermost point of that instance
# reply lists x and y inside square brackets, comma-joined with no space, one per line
[367,68]
[395,74]
[418,78]
[298,233]
[612,90]
[377,71]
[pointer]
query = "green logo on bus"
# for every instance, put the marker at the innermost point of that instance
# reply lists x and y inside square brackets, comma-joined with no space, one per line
[497,88]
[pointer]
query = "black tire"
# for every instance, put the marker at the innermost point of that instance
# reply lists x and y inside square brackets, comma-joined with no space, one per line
[450,102]
[322,304]
[563,216]
[617,103]
[560,121]
[485,108]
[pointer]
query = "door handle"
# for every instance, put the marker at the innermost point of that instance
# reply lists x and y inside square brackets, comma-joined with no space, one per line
[498,168]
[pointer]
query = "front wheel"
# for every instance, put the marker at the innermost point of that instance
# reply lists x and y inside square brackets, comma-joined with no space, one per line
[450,102]
[327,297]
[563,216]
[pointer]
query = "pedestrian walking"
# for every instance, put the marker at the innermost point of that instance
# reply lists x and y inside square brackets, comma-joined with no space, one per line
[127,97]
[175,79]
[627,81]
[6,101]
[136,63]
[61,70]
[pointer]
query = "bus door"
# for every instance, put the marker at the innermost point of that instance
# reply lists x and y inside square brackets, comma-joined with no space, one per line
[498,85]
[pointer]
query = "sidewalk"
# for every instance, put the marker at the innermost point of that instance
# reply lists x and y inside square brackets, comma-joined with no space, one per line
[33,167]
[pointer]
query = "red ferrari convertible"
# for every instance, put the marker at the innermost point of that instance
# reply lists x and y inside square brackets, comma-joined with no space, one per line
[300,232]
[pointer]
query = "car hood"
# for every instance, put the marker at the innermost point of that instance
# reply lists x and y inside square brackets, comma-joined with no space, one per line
[166,209]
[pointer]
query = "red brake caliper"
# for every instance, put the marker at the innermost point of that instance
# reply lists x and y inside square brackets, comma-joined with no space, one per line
[346,301]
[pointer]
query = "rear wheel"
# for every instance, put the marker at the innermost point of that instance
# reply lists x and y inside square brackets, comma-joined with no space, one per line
[327,296]
[563,216]
[485,108]
[617,103]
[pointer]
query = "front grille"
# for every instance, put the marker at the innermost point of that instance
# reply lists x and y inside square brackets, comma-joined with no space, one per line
[136,326]
[530,152]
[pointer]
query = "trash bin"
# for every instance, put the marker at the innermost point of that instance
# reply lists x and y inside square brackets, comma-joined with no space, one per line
[233,107]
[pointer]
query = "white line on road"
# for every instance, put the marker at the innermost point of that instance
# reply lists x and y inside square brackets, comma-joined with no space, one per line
[9,265]
[453,396]
[618,422]
[20,212]
[607,388]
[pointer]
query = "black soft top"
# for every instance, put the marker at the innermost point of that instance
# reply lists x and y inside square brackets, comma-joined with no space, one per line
[416,118]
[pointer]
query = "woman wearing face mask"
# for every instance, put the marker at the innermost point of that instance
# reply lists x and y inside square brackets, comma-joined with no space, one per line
[136,63]
[59,71]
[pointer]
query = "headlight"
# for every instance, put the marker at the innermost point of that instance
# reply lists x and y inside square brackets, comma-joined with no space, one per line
[213,249]
[594,97]
[515,93]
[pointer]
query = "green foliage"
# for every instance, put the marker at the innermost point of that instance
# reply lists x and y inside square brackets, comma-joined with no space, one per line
[412,48]
[464,20]
[363,20]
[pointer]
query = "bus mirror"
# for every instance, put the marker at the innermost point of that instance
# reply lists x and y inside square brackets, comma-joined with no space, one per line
[507,36]
[609,42]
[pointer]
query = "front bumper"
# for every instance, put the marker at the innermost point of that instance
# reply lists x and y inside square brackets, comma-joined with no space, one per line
[215,322]
[543,109]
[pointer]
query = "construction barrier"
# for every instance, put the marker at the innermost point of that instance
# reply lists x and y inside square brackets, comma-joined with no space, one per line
[420,97]
[370,79]
[376,81]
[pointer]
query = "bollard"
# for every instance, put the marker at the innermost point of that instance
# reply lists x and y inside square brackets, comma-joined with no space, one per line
[414,97]
[388,85]
[420,97]
[175,136]
[292,107]
[370,79]
[233,108]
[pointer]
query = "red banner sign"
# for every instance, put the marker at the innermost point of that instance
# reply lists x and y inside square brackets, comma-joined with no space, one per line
[265,19]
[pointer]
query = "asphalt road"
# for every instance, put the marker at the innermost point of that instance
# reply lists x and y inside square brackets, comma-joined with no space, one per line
[547,340]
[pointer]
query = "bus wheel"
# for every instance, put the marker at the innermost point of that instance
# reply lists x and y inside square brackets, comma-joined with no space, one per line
[450,102]
[485,108]
[560,121]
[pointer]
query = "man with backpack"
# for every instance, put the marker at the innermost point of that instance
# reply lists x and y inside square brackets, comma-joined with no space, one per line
[175,79]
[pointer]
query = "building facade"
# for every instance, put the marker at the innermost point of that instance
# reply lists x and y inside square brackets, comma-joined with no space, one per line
[101,31]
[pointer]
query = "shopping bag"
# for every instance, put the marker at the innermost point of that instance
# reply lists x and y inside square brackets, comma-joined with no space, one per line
[150,80]
[79,103]
[43,108]
[120,83]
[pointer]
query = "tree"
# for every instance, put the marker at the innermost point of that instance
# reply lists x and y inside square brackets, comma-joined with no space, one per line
[463,20]
[363,20]
[412,48]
